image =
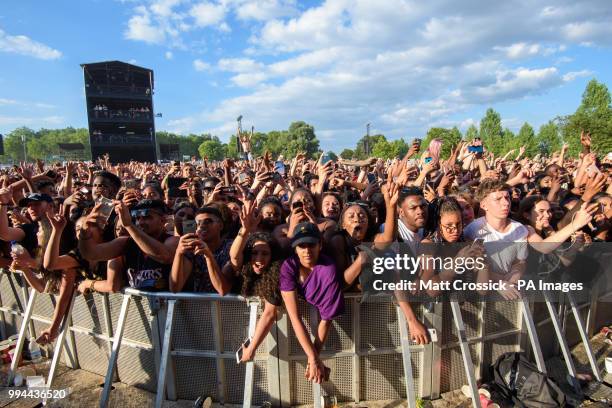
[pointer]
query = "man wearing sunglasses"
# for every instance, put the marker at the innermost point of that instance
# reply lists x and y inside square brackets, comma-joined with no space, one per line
[146,254]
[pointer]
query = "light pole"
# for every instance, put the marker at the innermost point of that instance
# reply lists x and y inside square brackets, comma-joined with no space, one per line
[367,143]
[25,153]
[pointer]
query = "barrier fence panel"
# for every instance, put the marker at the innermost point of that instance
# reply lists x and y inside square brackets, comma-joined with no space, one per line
[124,335]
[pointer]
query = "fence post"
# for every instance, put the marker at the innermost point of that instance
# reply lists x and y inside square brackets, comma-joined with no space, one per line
[108,381]
[567,355]
[282,341]
[165,356]
[406,358]
[468,364]
[533,335]
[21,339]
[250,368]
[583,335]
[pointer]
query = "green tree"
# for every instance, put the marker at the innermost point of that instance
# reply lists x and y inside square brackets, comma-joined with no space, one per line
[594,115]
[301,138]
[526,137]
[449,137]
[213,150]
[471,133]
[491,132]
[360,149]
[548,138]
[347,154]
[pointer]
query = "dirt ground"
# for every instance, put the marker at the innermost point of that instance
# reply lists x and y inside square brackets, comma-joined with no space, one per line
[86,387]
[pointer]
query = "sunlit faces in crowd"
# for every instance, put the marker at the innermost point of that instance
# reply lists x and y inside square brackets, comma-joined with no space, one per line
[209,226]
[413,211]
[330,207]
[355,221]
[497,204]
[151,193]
[308,253]
[451,225]
[260,256]
[271,216]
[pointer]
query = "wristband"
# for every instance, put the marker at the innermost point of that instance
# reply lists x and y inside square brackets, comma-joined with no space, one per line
[91,287]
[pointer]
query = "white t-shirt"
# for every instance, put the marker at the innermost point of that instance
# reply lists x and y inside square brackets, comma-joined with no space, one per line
[503,248]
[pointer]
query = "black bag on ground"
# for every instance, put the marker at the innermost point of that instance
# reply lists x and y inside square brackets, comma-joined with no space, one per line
[519,381]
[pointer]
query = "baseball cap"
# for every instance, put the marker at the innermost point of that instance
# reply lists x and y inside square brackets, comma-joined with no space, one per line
[305,233]
[34,198]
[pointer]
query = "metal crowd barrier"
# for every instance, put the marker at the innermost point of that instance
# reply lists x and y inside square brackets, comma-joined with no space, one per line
[182,346]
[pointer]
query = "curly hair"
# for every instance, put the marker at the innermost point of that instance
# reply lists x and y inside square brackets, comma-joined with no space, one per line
[266,284]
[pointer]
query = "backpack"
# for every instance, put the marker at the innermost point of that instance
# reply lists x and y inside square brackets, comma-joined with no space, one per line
[518,380]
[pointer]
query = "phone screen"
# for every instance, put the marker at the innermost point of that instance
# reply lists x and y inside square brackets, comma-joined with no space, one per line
[240,351]
[189,227]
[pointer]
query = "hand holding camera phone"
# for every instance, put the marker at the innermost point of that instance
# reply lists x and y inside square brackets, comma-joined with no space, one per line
[240,351]
[189,227]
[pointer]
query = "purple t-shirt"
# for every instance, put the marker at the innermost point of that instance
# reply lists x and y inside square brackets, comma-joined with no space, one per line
[321,288]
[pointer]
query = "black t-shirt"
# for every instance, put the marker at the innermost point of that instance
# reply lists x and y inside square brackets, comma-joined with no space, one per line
[144,272]
[30,241]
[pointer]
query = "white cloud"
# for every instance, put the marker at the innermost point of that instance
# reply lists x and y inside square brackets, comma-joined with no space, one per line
[207,14]
[200,65]
[402,64]
[520,50]
[168,55]
[23,45]
[239,65]
[4,101]
[141,28]
[570,76]
[263,10]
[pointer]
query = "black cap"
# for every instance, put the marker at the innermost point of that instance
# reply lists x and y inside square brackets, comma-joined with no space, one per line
[158,205]
[305,233]
[35,198]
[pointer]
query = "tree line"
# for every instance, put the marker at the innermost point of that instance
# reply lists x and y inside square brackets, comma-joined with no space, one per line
[594,114]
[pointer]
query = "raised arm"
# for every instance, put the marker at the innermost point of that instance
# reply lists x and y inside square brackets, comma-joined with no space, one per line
[8,233]
[160,251]
[249,224]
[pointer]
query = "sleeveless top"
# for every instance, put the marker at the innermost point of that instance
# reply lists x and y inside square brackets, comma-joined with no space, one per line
[144,272]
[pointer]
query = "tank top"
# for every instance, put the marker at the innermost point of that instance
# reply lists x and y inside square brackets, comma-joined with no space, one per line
[144,272]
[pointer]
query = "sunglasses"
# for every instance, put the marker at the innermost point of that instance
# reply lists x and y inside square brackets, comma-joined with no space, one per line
[143,212]
[362,204]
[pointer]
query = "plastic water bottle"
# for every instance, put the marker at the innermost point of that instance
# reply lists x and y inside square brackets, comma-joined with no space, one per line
[34,351]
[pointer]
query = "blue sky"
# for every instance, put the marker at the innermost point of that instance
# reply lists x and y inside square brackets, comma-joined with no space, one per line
[402,65]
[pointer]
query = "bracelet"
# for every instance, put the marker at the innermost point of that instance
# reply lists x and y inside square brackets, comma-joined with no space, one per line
[91,287]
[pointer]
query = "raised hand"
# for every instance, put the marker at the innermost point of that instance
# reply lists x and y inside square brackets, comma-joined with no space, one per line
[57,220]
[248,217]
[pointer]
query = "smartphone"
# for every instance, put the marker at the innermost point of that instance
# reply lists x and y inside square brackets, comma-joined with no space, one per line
[475,149]
[132,184]
[371,178]
[84,190]
[279,167]
[326,158]
[173,187]
[276,177]
[297,204]
[239,353]
[189,227]
[106,209]
[242,177]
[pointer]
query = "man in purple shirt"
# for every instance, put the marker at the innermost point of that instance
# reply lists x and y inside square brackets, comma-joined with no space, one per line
[313,276]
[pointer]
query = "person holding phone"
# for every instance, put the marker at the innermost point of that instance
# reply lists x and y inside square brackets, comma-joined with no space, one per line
[303,208]
[145,255]
[253,259]
[200,257]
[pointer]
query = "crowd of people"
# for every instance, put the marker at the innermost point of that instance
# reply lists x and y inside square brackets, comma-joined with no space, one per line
[296,228]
